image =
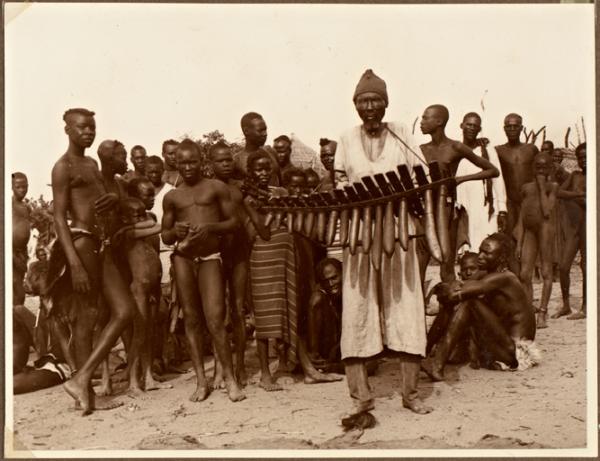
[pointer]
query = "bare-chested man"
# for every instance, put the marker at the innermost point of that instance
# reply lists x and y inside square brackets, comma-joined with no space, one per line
[497,307]
[138,159]
[516,159]
[236,252]
[198,213]
[79,190]
[171,174]
[255,135]
[283,151]
[327,155]
[21,229]
[535,231]
[448,153]
[572,195]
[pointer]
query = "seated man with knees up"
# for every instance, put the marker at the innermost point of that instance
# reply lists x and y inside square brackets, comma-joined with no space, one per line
[436,336]
[496,306]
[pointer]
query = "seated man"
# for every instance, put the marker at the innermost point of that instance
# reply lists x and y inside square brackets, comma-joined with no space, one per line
[47,371]
[324,314]
[469,270]
[496,306]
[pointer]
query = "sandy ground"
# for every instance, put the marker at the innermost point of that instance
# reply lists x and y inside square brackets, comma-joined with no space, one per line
[541,407]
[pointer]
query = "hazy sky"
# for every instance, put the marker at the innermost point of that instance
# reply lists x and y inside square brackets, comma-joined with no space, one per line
[152,72]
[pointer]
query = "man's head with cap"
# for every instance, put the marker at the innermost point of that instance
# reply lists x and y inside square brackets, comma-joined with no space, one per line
[371,83]
[371,100]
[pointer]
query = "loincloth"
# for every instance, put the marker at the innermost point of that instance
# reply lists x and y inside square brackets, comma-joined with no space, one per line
[50,363]
[58,290]
[216,256]
[527,354]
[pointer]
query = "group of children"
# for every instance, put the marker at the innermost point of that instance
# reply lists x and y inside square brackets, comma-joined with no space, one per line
[182,238]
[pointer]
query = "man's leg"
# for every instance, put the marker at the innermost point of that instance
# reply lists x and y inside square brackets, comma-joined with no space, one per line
[210,286]
[581,244]
[187,294]
[410,365]
[528,257]
[513,209]
[491,333]
[456,329]
[546,251]
[85,305]
[237,288]
[122,306]
[358,384]
[439,326]
[570,248]
[33,380]
[447,270]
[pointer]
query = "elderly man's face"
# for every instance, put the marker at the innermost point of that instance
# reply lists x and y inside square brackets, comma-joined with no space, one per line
[370,107]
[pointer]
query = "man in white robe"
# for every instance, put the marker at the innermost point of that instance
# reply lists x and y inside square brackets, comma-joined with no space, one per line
[484,202]
[381,308]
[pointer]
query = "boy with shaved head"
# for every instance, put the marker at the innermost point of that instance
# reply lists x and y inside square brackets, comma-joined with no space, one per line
[448,153]
[516,159]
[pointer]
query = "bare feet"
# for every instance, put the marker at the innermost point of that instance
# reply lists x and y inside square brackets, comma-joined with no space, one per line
[201,393]
[218,382]
[267,383]
[561,313]
[80,394]
[576,316]
[432,370]
[319,377]
[416,406]
[541,320]
[105,388]
[135,391]
[153,385]
[235,393]
[241,376]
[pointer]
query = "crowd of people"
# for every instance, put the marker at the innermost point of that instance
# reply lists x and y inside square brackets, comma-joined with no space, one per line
[180,246]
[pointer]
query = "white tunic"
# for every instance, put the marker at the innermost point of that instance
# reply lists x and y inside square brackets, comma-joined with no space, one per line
[165,250]
[470,195]
[380,307]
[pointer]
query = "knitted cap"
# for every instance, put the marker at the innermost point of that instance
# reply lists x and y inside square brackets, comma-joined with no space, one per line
[369,82]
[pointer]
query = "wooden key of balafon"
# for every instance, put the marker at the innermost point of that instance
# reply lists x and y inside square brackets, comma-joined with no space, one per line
[389,237]
[367,218]
[442,221]
[402,210]
[299,214]
[309,218]
[355,225]
[321,218]
[431,237]
[377,241]
[415,205]
[332,219]
[344,216]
